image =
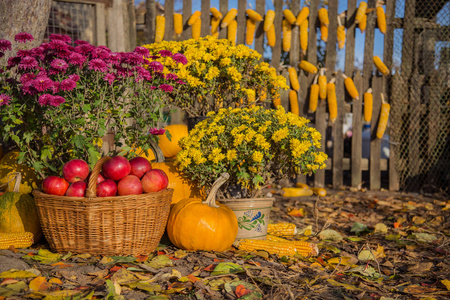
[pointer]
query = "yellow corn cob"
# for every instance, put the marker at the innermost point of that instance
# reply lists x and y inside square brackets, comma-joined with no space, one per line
[381,19]
[18,240]
[360,12]
[215,34]
[263,94]
[293,101]
[319,191]
[289,16]
[216,13]
[308,67]
[214,25]
[276,102]
[322,81]
[249,35]
[323,17]
[268,20]
[271,38]
[178,23]
[293,78]
[384,116]
[287,35]
[280,248]
[304,36]
[229,17]
[350,87]
[160,27]
[282,229]
[302,15]
[296,192]
[332,101]
[232,31]
[380,65]
[254,15]
[340,33]
[196,29]
[275,238]
[324,33]
[313,96]
[196,15]
[363,24]
[368,106]
[301,185]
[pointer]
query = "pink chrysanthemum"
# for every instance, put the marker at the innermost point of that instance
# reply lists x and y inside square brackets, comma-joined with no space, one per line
[38,52]
[23,53]
[81,42]
[145,74]
[55,87]
[166,87]
[110,78]
[156,66]
[171,76]
[179,81]
[4,99]
[27,77]
[13,61]
[142,51]
[60,37]
[132,58]
[74,77]
[180,58]
[28,63]
[23,37]
[156,131]
[42,83]
[58,45]
[165,53]
[57,101]
[114,58]
[84,49]
[98,65]
[59,64]
[76,59]
[100,52]
[45,99]
[67,85]
[5,45]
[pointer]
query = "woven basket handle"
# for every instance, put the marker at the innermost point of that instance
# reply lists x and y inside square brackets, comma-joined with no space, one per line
[91,190]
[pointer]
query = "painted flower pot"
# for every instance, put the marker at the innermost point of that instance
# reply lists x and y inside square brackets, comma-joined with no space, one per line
[252,216]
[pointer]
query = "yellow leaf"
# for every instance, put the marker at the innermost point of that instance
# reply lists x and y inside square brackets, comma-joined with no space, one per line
[381,228]
[39,284]
[418,220]
[180,253]
[55,281]
[379,253]
[13,273]
[343,260]
[401,220]
[297,212]
[105,260]
[345,285]
[446,283]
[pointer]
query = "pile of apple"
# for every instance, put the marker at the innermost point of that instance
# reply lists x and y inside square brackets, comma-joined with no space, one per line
[119,176]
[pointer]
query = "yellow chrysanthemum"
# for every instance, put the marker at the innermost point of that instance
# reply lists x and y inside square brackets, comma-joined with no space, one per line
[280,134]
[231,155]
[257,156]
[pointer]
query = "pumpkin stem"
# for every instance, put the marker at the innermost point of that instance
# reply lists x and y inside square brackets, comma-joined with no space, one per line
[157,151]
[17,176]
[211,199]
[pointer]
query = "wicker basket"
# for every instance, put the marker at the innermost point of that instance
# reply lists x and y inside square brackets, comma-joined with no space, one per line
[120,225]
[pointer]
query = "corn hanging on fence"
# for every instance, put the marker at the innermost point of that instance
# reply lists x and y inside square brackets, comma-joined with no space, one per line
[159,29]
[178,23]
[363,24]
[384,116]
[296,192]
[293,78]
[232,32]
[280,248]
[368,106]
[215,25]
[381,67]
[268,20]
[254,15]
[216,13]
[18,240]
[231,14]
[322,82]
[271,36]
[313,96]
[250,31]
[286,29]
[289,16]
[350,87]
[304,36]
[332,100]
[277,102]
[323,17]
[360,12]
[319,191]
[301,185]
[324,33]
[381,17]
[196,29]
[340,33]
[282,229]
[196,15]
[308,67]
[302,15]
[293,102]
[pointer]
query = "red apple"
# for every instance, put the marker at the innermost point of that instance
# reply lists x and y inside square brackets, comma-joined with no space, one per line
[139,166]
[129,185]
[75,170]
[116,168]
[154,180]
[100,178]
[55,185]
[107,188]
[76,189]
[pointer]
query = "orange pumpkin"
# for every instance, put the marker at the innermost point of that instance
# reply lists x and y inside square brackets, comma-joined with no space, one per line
[171,148]
[207,225]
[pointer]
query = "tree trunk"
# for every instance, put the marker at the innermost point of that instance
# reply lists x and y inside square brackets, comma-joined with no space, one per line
[29,16]
[150,16]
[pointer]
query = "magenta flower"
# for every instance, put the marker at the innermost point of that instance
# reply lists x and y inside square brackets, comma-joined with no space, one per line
[165,53]
[84,49]
[67,85]
[45,99]
[27,77]
[60,37]
[114,58]
[55,87]
[100,52]
[156,131]
[81,42]
[180,58]
[98,65]
[28,63]
[179,81]
[132,59]
[59,64]
[13,61]
[156,66]
[4,99]
[76,59]
[74,77]
[38,52]
[171,76]
[23,53]
[56,101]
[58,45]
[23,37]
[110,78]
[5,45]
[42,83]
[166,87]
[142,51]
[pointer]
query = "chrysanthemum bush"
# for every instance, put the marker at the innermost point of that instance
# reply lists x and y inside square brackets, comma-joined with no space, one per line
[219,75]
[58,100]
[256,146]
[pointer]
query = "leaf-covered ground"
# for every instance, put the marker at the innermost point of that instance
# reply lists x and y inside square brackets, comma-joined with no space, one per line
[373,245]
